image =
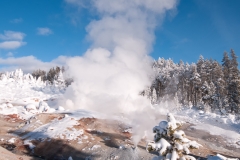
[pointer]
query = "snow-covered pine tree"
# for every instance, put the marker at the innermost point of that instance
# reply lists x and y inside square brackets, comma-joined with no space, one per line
[147,92]
[206,97]
[218,81]
[180,84]
[40,73]
[226,67]
[51,74]
[187,74]
[170,142]
[208,70]
[186,81]
[59,78]
[226,75]
[154,96]
[234,85]
[200,64]
[195,83]
[214,97]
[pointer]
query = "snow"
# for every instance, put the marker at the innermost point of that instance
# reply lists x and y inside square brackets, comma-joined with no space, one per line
[30,107]
[172,123]
[29,144]
[63,128]
[26,97]
[122,147]
[12,140]
[178,134]
[172,144]
[19,88]
[23,95]
[220,157]
[174,155]
[226,126]
[60,108]
[7,111]
[231,136]
[95,147]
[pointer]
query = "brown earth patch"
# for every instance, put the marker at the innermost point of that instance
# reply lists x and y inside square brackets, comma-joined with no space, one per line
[103,140]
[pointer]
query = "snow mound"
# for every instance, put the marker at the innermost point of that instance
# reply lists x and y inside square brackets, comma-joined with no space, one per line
[24,95]
[17,86]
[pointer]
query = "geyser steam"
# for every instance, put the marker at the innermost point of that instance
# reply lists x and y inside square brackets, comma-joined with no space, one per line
[110,75]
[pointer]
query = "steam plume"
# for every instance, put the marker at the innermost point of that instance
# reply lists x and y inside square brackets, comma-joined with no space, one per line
[110,75]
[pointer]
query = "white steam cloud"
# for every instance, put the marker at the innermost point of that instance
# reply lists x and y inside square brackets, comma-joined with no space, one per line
[111,74]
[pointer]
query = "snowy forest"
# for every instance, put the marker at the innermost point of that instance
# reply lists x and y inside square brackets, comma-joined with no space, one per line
[52,76]
[206,85]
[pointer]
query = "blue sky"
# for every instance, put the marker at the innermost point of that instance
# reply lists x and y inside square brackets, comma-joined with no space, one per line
[47,29]
[200,27]
[67,38]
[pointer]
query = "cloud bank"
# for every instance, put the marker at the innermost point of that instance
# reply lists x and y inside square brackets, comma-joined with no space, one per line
[29,63]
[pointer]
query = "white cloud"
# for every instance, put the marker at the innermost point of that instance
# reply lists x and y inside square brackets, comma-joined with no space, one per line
[17,20]
[44,31]
[11,44]
[125,6]
[29,63]
[11,35]
[12,40]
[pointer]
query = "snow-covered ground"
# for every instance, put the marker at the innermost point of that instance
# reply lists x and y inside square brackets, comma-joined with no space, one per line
[227,126]
[19,88]
[24,97]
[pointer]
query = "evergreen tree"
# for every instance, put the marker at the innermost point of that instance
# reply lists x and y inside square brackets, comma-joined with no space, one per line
[170,142]
[39,73]
[205,83]
[154,96]
[51,74]
[208,70]
[195,82]
[226,76]
[226,67]
[200,64]
[234,85]
[218,80]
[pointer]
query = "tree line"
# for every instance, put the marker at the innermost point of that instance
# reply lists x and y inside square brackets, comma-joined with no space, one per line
[206,84]
[53,75]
